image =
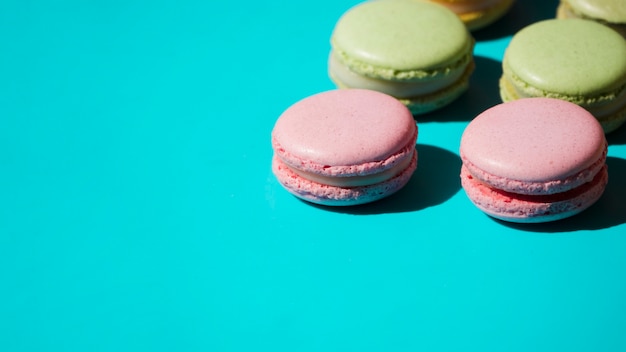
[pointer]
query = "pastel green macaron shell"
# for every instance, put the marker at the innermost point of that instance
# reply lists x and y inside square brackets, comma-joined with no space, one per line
[401,39]
[572,57]
[613,11]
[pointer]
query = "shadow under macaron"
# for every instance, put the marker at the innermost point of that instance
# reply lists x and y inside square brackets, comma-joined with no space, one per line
[521,14]
[608,211]
[617,137]
[483,93]
[435,181]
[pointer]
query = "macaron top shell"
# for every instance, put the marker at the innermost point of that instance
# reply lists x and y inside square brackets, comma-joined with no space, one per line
[341,128]
[533,140]
[613,11]
[568,56]
[401,35]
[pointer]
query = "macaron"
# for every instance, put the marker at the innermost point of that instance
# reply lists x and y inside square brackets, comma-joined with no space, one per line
[477,14]
[416,51]
[576,60]
[534,160]
[344,147]
[611,13]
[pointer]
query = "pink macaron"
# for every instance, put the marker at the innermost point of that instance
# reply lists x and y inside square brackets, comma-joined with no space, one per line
[344,147]
[534,160]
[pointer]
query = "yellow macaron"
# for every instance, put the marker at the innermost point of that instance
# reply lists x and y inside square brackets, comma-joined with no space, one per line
[477,14]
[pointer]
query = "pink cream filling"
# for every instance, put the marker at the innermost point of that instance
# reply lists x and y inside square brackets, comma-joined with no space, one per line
[354,181]
[307,166]
[510,206]
[537,187]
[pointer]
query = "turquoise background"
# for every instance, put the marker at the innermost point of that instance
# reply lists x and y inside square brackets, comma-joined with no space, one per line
[138,211]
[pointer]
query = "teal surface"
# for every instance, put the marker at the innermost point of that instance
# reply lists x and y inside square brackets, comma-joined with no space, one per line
[138,211]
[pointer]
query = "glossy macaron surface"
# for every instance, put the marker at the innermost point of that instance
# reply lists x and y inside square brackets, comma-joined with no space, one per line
[345,130]
[403,35]
[533,140]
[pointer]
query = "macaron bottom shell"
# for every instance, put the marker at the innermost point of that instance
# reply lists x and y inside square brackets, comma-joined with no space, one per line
[423,104]
[322,194]
[521,208]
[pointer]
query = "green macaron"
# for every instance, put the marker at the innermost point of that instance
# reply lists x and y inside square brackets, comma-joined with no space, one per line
[570,59]
[611,13]
[416,51]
